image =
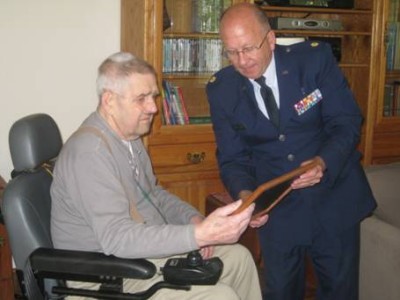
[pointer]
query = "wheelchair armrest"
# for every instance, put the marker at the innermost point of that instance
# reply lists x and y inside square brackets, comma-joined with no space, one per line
[72,264]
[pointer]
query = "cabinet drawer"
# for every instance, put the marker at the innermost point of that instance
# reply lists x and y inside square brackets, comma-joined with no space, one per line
[183,158]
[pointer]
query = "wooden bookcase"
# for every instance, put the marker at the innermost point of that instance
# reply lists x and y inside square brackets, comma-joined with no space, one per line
[184,155]
[386,133]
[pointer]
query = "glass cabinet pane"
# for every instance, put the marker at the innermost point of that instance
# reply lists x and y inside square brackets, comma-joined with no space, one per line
[192,52]
[391,102]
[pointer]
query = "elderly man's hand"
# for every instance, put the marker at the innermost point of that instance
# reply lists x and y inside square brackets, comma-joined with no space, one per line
[222,228]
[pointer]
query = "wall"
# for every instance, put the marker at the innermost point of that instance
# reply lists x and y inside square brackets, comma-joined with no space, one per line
[49,54]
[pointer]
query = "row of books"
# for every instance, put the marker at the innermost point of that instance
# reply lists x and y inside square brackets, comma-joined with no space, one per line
[192,55]
[393,46]
[391,106]
[174,110]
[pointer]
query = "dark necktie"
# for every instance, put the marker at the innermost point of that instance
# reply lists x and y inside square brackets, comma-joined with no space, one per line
[269,100]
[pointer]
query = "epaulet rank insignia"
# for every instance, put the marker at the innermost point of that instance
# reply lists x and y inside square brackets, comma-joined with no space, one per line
[314,44]
[212,79]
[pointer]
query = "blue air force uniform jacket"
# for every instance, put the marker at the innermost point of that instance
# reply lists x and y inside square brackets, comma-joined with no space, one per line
[251,150]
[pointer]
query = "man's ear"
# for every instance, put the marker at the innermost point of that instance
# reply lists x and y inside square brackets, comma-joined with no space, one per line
[271,39]
[107,101]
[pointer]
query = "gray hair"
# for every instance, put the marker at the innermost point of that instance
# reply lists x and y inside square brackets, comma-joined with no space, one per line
[114,72]
[262,17]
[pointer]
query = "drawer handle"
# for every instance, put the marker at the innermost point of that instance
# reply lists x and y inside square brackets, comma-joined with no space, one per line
[195,157]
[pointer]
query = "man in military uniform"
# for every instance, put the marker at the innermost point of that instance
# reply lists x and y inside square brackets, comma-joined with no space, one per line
[277,108]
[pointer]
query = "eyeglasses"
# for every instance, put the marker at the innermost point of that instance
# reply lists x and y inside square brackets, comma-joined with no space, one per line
[248,51]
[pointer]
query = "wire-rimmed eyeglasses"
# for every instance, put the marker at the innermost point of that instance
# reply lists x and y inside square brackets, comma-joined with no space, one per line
[248,51]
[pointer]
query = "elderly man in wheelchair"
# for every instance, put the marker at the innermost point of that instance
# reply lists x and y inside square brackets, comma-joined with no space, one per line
[99,225]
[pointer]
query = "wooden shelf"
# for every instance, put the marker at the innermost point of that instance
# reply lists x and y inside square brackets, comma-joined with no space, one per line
[187,76]
[353,65]
[191,35]
[317,10]
[322,33]
[393,75]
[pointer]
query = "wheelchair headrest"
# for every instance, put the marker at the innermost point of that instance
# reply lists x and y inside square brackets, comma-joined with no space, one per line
[34,140]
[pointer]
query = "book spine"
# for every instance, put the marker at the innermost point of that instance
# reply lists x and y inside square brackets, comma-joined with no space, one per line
[388,100]
[182,104]
[396,98]
[177,106]
[169,100]
[165,115]
[390,50]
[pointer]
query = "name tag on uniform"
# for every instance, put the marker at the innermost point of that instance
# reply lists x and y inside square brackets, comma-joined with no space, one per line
[309,101]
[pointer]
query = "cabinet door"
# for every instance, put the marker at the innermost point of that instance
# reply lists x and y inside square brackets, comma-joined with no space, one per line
[190,53]
[386,141]
[193,187]
[187,170]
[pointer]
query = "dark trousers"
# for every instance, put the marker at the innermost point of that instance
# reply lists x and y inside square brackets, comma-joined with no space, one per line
[335,260]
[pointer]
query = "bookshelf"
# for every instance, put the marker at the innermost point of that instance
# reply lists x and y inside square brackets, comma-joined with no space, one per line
[386,138]
[184,155]
[192,50]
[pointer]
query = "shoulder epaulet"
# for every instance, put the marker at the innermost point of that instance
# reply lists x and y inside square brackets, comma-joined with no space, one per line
[304,46]
[314,44]
[212,79]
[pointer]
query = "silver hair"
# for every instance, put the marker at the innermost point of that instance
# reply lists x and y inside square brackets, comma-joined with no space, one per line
[114,72]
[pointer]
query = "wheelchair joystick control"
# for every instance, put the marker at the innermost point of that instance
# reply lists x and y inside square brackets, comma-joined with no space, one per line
[192,269]
[194,259]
